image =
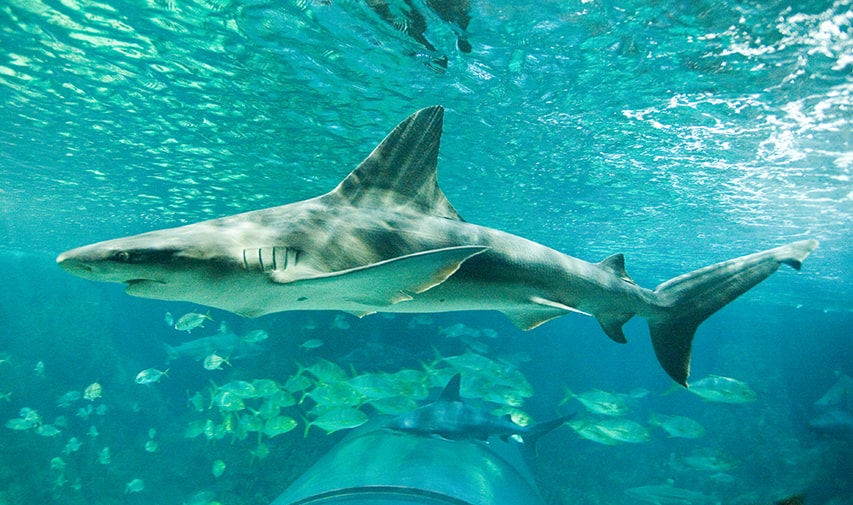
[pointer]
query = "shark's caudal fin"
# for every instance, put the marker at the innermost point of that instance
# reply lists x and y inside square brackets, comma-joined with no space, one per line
[532,433]
[689,299]
[402,169]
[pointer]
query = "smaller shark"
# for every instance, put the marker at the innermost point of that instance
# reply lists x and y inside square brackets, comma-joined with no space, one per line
[835,408]
[451,418]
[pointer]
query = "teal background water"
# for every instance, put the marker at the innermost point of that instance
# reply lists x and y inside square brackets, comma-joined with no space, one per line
[679,133]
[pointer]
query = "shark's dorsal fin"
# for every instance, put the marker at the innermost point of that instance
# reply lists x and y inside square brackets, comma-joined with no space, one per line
[451,390]
[402,169]
[616,264]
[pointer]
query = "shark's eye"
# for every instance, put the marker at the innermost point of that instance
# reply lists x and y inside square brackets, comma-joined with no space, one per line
[122,256]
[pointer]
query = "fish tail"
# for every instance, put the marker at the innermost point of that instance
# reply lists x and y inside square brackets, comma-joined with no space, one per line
[682,303]
[532,433]
[568,396]
[654,421]
[300,368]
[171,353]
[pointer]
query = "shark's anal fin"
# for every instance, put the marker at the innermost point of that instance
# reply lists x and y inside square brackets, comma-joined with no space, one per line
[383,283]
[612,325]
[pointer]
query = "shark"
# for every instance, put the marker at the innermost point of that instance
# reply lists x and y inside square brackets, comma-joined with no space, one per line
[451,418]
[387,239]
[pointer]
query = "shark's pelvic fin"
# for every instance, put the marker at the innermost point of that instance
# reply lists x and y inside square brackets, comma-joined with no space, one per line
[402,169]
[384,283]
[689,299]
[525,319]
[539,311]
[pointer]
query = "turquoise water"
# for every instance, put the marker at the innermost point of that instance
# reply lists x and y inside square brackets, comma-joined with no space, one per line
[678,133]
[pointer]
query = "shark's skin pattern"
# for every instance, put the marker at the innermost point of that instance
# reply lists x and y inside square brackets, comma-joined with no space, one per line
[387,240]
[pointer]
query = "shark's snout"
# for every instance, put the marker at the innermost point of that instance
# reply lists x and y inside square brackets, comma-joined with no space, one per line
[108,263]
[73,265]
[94,264]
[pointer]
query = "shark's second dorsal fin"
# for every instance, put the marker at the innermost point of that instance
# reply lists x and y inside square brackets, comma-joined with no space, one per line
[616,264]
[450,393]
[402,169]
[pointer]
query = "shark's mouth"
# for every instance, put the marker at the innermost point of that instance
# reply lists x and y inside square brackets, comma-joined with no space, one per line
[146,288]
[134,282]
[135,285]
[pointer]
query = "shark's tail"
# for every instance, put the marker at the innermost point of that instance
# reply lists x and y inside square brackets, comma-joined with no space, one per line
[532,433]
[685,301]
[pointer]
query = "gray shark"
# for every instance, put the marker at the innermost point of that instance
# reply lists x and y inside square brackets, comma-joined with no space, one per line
[386,239]
[451,418]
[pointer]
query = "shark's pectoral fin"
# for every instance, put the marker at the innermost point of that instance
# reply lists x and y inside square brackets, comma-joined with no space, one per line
[384,283]
[539,311]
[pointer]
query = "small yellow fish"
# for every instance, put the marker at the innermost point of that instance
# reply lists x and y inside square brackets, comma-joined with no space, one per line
[18,424]
[47,430]
[677,426]
[311,344]
[218,468]
[338,419]
[255,336]
[93,391]
[278,425]
[340,322]
[73,445]
[134,486]
[150,375]
[260,452]
[57,464]
[214,362]
[599,402]
[104,456]
[192,320]
[196,401]
[715,388]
